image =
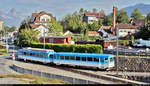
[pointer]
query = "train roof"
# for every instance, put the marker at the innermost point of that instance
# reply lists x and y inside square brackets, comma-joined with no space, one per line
[37,49]
[84,54]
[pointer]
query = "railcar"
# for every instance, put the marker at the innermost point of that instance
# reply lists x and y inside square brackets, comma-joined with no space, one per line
[101,61]
[34,54]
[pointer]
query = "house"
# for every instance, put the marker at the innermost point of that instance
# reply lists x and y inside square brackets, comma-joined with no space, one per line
[41,18]
[44,30]
[124,29]
[93,33]
[39,21]
[57,39]
[1,25]
[91,17]
[138,22]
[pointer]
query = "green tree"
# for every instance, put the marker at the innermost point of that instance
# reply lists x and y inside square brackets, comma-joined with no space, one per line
[136,14]
[24,24]
[55,27]
[86,37]
[108,20]
[26,37]
[122,17]
[144,32]
[81,12]
[96,25]
[74,23]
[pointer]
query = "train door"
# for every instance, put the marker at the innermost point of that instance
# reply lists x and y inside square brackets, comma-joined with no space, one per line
[51,56]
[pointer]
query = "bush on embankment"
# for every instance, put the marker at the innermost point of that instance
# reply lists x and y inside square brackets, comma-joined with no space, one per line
[89,48]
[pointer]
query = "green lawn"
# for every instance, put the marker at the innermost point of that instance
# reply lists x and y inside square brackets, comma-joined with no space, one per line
[3,52]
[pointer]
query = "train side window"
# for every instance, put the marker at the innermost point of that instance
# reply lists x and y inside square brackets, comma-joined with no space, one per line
[54,56]
[31,54]
[111,59]
[28,54]
[83,58]
[72,58]
[41,55]
[66,57]
[96,59]
[24,53]
[90,59]
[62,57]
[37,55]
[106,59]
[77,58]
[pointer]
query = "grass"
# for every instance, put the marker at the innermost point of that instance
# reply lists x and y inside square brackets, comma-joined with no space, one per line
[34,79]
[3,52]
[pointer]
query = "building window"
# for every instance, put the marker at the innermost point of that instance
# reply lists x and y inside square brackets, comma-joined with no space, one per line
[51,40]
[43,19]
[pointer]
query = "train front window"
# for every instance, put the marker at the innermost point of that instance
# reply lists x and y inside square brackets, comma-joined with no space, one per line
[51,56]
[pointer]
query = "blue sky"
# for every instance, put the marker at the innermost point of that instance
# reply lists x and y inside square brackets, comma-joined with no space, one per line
[59,8]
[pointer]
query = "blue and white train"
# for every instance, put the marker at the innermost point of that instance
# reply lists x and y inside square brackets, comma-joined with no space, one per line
[101,61]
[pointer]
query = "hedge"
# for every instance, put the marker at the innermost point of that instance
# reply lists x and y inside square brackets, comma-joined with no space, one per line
[89,48]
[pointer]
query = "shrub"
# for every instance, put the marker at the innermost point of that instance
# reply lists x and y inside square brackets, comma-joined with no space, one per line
[89,48]
[124,42]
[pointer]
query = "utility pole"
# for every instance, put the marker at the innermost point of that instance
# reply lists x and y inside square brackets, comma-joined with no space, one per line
[117,34]
[44,38]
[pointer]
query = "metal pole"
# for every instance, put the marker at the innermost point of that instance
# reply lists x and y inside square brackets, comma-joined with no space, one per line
[117,33]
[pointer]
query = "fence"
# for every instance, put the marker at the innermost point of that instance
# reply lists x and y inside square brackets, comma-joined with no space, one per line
[64,78]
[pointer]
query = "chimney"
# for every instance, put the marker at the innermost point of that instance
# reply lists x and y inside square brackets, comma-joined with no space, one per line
[114,20]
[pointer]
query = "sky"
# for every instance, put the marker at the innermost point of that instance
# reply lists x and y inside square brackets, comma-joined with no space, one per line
[59,8]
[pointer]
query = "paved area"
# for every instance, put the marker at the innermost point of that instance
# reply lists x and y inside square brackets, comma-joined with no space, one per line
[10,81]
[5,69]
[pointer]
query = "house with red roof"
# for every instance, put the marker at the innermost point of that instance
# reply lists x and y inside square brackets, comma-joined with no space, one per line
[41,18]
[39,21]
[91,17]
